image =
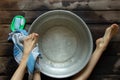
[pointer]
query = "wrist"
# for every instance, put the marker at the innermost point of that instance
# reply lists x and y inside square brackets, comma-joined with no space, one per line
[25,57]
[26,53]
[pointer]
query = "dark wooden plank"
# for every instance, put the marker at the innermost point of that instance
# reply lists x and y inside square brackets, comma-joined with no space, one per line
[87,16]
[104,77]
[7,65]
[29,15]
[113,49]
[6,49]
[3,63]
[97,31]
[3,77]
[59,4]
[99,16]
[95,77]
[106,66]
[4,31]
[8,77]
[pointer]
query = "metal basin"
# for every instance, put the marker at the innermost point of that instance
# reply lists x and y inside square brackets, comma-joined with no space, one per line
[65,43]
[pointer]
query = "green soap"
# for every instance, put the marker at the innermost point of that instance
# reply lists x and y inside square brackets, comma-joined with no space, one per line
[18,23]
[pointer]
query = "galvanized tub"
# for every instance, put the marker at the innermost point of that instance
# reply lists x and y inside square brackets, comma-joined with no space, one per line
[65,43]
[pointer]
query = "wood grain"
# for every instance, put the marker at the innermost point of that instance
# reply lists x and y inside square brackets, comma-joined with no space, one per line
[87,16]
[3,77]
[105,66]
[97,31]
[6,49]
[7,66]
[59,4]
[113,49]
[104,77]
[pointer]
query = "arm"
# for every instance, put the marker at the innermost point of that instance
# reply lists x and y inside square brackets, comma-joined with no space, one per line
[101,45]
[29,43]
[37,76]
[19,73]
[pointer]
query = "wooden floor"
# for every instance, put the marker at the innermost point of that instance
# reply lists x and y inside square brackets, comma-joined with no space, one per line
[98,14]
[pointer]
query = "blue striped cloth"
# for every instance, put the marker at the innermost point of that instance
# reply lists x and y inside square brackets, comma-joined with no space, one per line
[17,37]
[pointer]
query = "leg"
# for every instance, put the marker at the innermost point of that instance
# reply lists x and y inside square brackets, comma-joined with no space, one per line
[37,76]
[29,44]
[101,45]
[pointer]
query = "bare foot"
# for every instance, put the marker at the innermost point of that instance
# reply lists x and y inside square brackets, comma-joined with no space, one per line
[101,46]
[29,42]
[109,33]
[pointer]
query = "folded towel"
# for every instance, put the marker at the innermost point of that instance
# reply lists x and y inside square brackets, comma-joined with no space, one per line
[17,37]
